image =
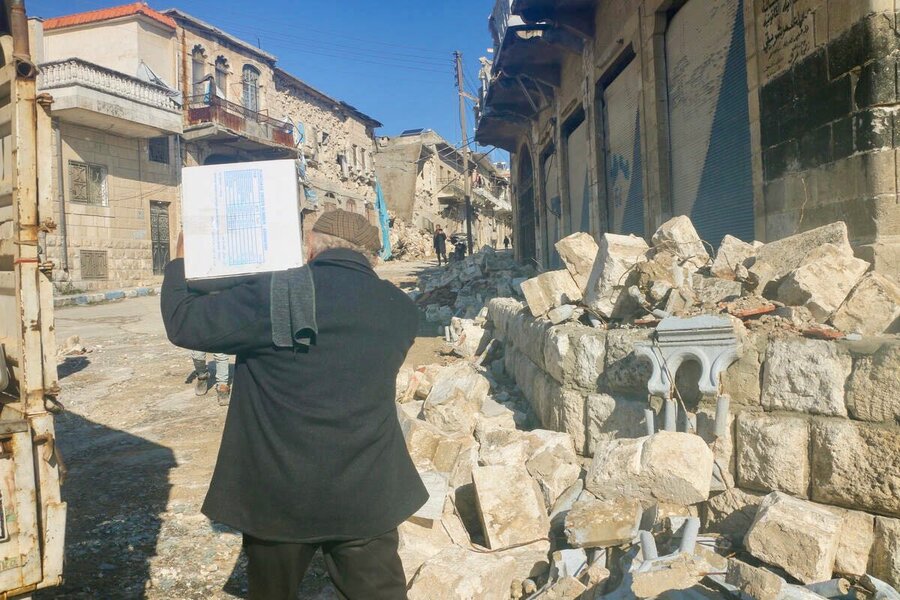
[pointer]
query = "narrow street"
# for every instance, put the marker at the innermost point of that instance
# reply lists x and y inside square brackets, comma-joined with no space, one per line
[140,449]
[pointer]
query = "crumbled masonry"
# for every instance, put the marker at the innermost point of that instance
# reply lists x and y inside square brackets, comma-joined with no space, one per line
[574,470]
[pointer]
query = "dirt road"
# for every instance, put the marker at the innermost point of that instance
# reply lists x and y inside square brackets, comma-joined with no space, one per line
[140,449]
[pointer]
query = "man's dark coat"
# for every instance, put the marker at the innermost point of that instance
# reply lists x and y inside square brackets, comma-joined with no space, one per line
[312,448]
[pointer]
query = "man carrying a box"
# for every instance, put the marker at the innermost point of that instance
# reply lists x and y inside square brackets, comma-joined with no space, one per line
[312,454]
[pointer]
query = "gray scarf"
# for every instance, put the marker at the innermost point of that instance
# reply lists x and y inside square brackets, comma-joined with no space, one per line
[293,309]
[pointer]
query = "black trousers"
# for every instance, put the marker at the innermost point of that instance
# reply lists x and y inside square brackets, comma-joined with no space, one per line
[441,254]
[359,569]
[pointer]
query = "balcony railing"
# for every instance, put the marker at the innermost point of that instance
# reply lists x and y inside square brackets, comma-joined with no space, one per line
[207,108]
[74,71]
[501,19]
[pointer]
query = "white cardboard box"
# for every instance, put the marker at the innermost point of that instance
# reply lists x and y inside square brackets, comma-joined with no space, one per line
[241,218]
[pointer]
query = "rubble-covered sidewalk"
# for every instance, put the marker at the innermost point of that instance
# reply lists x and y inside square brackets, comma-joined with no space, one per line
[659,421]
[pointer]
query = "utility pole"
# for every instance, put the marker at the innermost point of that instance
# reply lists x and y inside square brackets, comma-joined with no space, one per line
[465,148]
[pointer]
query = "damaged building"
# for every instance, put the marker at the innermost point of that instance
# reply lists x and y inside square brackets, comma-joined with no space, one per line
[136,95]
[424,184]
[754,118]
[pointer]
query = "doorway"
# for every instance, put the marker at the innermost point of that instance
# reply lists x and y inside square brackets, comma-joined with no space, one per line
[159,235]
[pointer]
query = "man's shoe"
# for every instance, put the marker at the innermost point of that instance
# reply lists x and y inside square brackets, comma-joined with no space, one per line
[201,385]
[223,392]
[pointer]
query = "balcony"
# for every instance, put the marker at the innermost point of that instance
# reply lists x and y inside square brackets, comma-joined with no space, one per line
[212,118]
[101,98]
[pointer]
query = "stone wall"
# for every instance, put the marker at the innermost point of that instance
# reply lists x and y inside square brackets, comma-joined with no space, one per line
[121,228]
[818,420]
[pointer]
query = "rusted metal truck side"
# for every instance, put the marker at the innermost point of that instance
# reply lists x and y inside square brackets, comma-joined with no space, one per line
[32,514]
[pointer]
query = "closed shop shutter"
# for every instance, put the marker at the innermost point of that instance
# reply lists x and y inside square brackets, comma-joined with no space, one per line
[624,167]
[552,210]
[709,118]
[579,188]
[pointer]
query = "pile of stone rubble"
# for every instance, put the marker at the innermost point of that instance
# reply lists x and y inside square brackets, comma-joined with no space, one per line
[810,282]
[408,242]
[517,512]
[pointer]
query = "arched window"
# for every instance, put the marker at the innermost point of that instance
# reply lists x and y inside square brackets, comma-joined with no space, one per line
[251,88]
[222,76]
[198,70]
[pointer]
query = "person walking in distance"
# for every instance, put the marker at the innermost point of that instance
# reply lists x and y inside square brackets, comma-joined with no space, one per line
[506,242]
[312,454]
[440,245]
[201,371]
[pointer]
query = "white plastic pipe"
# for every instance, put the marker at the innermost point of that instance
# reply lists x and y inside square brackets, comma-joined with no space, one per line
[670,416]
[650,421]
[723,406]
[689,535]
[648,546]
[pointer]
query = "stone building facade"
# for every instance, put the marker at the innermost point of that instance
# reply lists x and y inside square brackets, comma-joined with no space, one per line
[755,118]
[116,158]
[138,94]
[422,176]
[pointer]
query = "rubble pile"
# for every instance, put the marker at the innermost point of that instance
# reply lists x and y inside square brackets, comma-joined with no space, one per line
[463,288]
[408,242]
[570,486]
[809,283]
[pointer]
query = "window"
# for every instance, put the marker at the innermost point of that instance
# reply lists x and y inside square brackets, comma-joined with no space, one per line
[222,76]
[251,88]
[198,70]
[159,150]
[94,265]
[88,183]
[362,154]
[345,167]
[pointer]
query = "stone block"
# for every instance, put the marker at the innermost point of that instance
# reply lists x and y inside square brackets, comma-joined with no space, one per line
[671,573]
[666,467]
[872,308]
[776,259]
[418,543]
[855,465]
[549,290]
[531,561]
[732,253]
[625,370]
[563,313]
[885,562]
[873,392]
[678,235]
[568,562]
[731,513]
[422,440]
[554,472]
[558,355]
[542,440]
[723,447]
[754,582]
[567,588]
[507,447]
[500,313]
[578,252]
[459,574]
[798,536]
[773,453]
[511,506]
[741,380]
[611,272]
[805,376]
[597,524]
[456,397]
[610,417]
[529,336]
[823,281]
[855,542]
[709,291]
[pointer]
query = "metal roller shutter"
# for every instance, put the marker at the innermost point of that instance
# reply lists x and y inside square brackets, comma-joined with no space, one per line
[624,166]
[709,118]
[579,186]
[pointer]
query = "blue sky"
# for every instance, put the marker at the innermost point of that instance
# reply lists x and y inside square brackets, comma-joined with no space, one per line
[392,59]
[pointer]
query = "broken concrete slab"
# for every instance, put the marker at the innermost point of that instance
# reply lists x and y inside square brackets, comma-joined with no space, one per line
[578,252]
[731,254]
[798,536]
[773,453]
[872,308]
[806,376]
[550,290]
[511,506]
[855,542]
[678,235]
[598,524]
[667,467]
[610,276]
[731,513]
[885,563]
[459,574]
[855,465]
[873,392]
[755,582]
[823,281]
[456,397]
[776,259]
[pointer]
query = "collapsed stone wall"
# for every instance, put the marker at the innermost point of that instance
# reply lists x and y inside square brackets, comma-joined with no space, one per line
[815,419]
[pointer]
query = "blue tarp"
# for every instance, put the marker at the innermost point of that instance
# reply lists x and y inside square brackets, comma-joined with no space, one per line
[384,220]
